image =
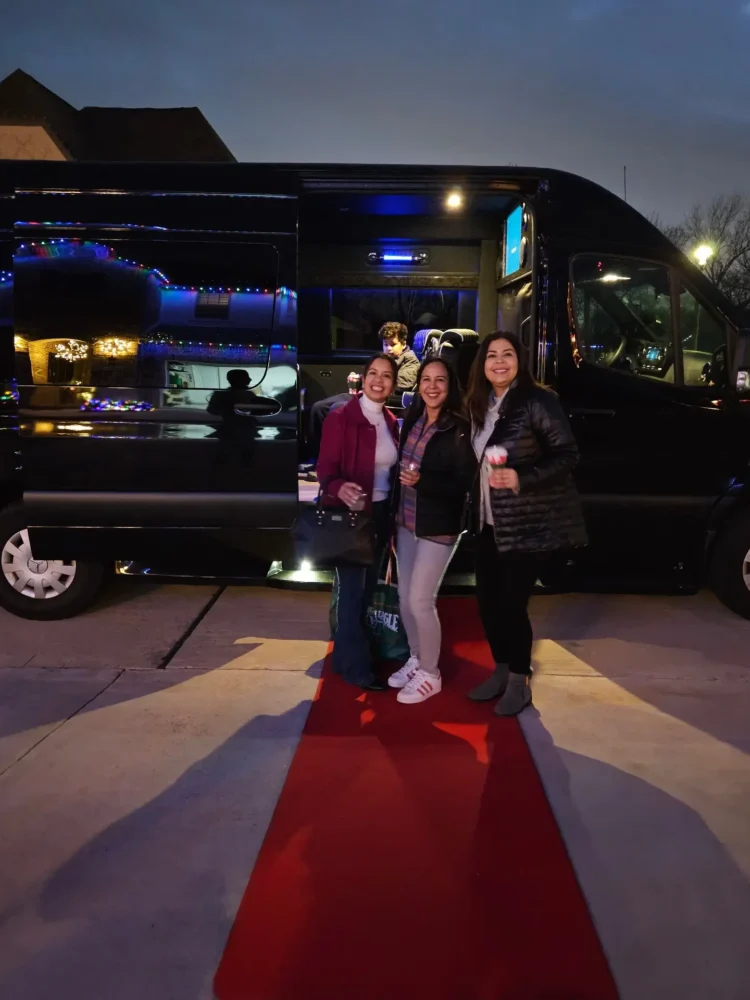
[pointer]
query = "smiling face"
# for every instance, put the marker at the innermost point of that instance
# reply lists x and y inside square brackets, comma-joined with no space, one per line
[501,364]
[433,385]
[378,382]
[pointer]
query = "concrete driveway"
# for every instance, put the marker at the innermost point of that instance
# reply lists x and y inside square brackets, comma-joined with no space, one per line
[134,797]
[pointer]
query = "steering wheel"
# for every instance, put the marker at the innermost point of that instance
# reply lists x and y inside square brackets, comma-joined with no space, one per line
[611,358]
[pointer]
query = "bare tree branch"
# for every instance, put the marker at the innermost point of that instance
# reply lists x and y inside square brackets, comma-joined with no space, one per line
[724,225]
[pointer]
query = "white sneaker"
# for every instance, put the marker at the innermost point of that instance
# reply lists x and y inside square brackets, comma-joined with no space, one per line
[402,676]
[421,687]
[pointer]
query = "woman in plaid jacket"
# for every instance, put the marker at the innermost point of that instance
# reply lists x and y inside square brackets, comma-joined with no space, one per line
[437,469]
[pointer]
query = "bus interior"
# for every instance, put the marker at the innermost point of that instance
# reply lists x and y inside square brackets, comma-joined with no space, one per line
[451,265]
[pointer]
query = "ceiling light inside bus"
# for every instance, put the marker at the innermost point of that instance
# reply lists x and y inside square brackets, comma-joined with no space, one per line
[410,258]
[454,201]
[611,279]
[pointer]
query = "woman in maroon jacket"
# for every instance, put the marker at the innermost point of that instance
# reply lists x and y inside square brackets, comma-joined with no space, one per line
[358,454]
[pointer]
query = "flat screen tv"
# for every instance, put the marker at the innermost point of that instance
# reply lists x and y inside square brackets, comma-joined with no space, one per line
[513,236]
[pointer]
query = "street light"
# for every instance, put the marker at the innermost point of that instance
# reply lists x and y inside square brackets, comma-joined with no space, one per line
[703,254]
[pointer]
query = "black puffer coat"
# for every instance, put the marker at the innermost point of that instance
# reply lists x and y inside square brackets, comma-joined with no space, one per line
[545,515]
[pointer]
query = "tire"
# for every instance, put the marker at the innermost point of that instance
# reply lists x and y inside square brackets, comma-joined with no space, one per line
[43,590]
[730,565]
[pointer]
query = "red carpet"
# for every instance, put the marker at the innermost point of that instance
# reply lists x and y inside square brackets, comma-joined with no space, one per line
[413,855]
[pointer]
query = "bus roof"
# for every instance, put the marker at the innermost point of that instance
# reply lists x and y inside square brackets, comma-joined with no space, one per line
[577,210]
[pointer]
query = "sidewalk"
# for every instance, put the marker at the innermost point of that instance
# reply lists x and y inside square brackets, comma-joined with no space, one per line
[134,800]
[129,831]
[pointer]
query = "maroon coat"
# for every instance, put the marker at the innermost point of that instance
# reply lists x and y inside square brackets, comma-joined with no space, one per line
[347,451]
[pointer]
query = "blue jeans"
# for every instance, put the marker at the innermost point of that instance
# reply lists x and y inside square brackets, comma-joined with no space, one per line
[352,652]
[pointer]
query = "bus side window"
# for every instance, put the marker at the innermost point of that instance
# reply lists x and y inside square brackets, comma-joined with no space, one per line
[701,336]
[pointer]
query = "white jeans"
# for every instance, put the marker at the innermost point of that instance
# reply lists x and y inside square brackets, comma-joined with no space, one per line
[421,568]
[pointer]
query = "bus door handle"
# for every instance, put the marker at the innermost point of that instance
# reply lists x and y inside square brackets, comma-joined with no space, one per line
[261,407]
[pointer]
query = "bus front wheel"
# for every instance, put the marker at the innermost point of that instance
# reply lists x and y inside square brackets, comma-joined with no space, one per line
[41,589]
[730,565]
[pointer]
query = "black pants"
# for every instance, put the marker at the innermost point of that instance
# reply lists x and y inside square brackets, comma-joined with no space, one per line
[352,655]
[318,412]
[504,582]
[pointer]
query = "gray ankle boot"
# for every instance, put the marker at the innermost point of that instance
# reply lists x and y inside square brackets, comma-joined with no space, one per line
[494,686]
[517,696]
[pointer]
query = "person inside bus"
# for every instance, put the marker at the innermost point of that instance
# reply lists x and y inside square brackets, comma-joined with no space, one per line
[222,402]
[437,470]
[236,432]
[358,454]
[393,337]
[527,505]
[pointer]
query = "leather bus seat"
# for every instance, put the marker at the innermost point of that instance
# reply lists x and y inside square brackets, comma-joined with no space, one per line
[422,341]
[460,347]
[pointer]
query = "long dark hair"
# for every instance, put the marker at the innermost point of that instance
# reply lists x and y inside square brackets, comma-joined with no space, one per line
[478,395]
[453,405]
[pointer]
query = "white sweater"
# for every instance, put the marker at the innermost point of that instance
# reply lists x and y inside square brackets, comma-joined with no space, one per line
[480,438]
[386,452]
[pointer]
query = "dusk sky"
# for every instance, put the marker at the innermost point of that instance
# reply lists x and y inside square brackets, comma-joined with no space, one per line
[584,85]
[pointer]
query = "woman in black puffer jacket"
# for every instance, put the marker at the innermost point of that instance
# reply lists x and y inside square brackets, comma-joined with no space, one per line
[525,505]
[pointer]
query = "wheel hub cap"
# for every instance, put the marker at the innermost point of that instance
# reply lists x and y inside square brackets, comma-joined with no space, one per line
[40,579]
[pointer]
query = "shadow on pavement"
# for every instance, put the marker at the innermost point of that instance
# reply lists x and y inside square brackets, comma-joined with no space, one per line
[121,590]
[686,656]
[144,909]
[671,904]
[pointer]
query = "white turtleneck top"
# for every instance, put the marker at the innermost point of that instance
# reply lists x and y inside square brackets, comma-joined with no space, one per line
[386,453]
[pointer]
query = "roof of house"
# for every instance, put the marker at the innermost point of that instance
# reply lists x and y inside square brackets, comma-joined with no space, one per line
[152,134]
[25,101]
[112,134]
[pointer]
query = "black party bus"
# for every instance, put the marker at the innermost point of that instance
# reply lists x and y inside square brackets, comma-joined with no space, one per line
[129,292]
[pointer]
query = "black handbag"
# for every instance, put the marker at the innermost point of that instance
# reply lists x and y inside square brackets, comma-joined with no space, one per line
[329,537]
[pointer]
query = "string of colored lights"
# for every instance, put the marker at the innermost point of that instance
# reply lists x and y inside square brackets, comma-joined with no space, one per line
[197,346]
[282,292]
[57,248]
[119,405]
[9,396]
